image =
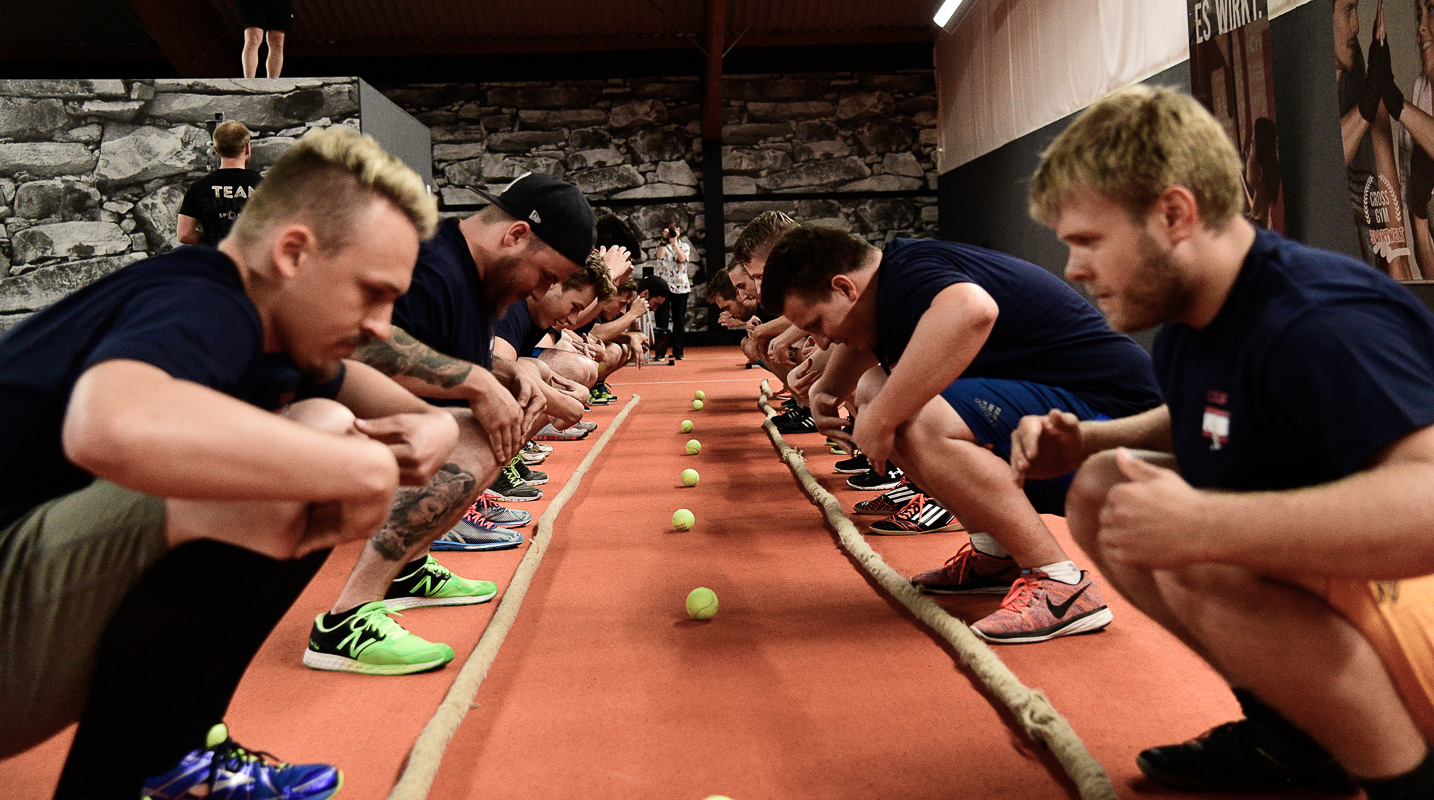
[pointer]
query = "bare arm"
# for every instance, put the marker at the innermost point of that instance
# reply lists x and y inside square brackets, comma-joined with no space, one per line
[1050,445]
[1372,525]
[610,331]
[428,373]
[131,423]
[945,342]
[187,230]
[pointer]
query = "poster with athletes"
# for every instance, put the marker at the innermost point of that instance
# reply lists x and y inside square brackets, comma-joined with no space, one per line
[1383,64]
[1230,74]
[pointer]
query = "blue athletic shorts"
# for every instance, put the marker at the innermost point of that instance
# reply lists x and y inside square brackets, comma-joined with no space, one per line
[992,408]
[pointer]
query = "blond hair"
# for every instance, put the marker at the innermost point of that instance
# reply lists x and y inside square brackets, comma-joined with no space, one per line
[230,139]
[760,235]
[1132,146]
[325,180]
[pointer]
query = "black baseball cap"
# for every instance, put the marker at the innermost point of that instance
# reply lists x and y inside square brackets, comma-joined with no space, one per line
[556,210]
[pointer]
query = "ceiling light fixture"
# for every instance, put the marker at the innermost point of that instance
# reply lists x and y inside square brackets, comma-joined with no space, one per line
[947,12]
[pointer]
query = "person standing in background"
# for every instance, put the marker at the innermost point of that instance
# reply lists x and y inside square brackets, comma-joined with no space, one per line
[672,257]
[213,203]
[274,17]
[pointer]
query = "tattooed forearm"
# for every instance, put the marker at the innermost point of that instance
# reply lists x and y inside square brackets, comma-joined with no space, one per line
[425,512]
[404,355]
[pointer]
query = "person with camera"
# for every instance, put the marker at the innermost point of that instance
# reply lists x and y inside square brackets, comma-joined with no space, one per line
[672,257]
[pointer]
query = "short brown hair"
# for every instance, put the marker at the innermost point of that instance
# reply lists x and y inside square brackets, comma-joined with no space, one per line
[806,259]
[594,273]
[1132,146]
[760,235]
[230,139]
[325,179]
[721,286]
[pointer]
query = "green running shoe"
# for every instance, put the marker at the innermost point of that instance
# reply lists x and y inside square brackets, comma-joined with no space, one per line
[368,641]
[431,584]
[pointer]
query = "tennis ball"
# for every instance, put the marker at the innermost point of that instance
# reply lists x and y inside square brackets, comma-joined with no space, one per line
[702,603]
[689,477]
[700,395]
[693,447]
[683,520]
[687,426]
[696,405]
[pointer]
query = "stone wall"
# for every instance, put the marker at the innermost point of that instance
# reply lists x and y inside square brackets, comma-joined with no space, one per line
[92,172]
[851,146]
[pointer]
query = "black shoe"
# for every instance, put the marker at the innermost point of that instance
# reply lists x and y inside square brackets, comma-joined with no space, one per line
[855,465]
[798,420]
[873,481]
[529,475]
[1263,752]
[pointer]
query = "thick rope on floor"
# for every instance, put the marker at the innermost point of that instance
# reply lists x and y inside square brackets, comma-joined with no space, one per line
[1035,714]
[428,749]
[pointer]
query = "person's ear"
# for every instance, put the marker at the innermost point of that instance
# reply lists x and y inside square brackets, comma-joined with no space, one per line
[845,286]
[294,243]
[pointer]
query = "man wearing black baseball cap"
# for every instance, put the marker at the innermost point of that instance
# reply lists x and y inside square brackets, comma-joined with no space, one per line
[536,233]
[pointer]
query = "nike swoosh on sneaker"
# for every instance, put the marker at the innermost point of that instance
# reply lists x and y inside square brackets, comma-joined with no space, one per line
[1059,609]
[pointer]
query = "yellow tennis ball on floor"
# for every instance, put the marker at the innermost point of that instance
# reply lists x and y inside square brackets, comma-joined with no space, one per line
[702,603]
[693,447]
[696,405]
[683,520]
[687,426]
[700,395]
[689,477]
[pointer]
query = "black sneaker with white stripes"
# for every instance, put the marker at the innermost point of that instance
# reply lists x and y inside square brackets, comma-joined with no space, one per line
[889,503]
[798,420]
[921,514]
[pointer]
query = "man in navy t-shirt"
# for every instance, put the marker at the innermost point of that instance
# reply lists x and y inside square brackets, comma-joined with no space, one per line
[157,518]
[536,233]
[530,321]
[943,348]
[1277,516]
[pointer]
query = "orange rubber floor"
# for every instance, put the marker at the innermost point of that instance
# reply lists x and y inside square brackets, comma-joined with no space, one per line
[809,683]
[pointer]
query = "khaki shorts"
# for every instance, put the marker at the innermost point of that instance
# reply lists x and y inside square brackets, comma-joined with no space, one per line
[1397,617]
[64,568]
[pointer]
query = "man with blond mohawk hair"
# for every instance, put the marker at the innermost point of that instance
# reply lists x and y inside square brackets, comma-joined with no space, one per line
[157,519]
[1274,513]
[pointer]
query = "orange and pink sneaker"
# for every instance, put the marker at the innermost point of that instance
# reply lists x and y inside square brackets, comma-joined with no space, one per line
[970,571]
[1039,608]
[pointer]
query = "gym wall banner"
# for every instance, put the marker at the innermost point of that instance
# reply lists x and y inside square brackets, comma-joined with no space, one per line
[1230,75]
[1384,63]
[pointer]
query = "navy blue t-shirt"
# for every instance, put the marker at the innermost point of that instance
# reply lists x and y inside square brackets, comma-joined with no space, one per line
[185,312]
[1314,363]
[518,329]
[444,304]
[1045,332]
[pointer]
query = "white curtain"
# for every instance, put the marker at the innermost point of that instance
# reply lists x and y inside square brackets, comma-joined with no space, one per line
[1014,66]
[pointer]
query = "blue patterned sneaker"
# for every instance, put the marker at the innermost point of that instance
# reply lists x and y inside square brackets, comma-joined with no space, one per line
[473,533]
[225,771]
[431,584]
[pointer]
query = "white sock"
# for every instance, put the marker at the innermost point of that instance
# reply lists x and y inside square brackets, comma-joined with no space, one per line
[1064,571]
[985,544]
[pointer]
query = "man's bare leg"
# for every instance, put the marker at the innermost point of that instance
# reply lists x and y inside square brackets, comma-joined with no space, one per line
[420,515]
[253,37]
[275,63]
[940,454]
[1279,640]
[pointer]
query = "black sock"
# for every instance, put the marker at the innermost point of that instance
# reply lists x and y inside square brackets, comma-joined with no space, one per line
[413,565]
[1271,721]
[1417,784]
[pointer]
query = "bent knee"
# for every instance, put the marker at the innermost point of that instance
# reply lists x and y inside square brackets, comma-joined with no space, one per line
[323,414]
